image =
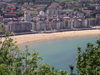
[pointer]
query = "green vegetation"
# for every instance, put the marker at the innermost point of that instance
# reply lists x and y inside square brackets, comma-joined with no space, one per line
[17,62]
[88,61]
[33,6]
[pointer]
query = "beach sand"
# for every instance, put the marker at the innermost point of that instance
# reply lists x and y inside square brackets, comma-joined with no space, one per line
[21,39]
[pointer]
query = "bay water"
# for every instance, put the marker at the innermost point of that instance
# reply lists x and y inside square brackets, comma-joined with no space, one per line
[60,53]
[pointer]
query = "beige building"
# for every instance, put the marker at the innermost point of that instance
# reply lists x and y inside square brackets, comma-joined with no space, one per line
[19,27]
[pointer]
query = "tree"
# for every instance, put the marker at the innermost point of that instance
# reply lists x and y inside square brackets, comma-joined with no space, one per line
[71,69]
[88,61]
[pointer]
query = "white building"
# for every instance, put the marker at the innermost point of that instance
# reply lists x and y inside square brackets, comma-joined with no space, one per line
[41,13]
[27,16]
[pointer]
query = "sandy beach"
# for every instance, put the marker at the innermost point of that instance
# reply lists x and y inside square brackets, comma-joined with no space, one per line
[21,39]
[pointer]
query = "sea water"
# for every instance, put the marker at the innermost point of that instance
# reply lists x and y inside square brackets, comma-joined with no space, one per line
[60,53]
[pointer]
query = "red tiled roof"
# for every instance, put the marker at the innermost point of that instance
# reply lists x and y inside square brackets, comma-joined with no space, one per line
[66,17]
[12,8]
[14,19]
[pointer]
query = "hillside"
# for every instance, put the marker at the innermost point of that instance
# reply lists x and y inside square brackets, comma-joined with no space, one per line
[40,0]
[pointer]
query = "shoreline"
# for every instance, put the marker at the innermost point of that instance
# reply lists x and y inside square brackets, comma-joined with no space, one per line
[23,39]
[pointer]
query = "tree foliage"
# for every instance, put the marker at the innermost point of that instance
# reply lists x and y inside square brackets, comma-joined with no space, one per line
[88,61]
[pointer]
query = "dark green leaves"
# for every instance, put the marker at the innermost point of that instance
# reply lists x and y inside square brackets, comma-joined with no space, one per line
[88,62]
